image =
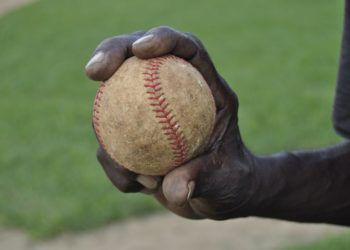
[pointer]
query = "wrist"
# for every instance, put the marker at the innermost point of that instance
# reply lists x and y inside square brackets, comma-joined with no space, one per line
[242,177]
[271,183]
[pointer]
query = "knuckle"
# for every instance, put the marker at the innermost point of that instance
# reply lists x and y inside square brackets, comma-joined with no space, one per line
[105,42]
[191,35]
[194,39]
[166,31]
[112,42]
[138,33]
[118,40]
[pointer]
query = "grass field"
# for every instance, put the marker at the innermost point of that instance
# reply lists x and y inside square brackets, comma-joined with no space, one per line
[279,56]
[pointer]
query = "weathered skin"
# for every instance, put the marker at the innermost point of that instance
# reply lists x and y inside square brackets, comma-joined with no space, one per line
[227,181]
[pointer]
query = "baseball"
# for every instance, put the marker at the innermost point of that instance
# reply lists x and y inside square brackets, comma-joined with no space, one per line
[154,115]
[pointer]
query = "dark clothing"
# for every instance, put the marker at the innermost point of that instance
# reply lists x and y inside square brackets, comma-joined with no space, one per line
[341,112]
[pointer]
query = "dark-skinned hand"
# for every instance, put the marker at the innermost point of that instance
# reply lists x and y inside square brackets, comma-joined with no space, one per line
[226,180]
[217,183]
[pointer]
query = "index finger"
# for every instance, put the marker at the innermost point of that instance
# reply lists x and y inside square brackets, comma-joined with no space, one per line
[109,55]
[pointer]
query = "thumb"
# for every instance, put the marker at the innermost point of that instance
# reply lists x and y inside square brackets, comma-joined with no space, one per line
[178,185]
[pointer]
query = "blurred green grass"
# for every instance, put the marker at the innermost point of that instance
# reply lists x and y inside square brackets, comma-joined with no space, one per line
[279,56]
[339,242]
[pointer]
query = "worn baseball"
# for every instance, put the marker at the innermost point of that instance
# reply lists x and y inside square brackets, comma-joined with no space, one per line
[153,115]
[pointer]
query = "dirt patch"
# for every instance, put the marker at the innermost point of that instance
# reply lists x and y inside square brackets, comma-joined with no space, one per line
[8,5]
[167,231]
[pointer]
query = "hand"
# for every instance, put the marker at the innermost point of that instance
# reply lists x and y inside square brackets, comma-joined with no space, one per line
[219,183]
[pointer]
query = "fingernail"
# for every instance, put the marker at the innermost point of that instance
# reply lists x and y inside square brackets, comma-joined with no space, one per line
[148,181]
[143,40]
[191,185]
[99,57]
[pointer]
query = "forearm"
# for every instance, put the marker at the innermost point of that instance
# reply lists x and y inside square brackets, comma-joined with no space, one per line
[306,186]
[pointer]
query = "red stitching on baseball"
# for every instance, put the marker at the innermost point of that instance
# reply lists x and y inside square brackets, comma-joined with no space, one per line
[171,127]
[95,118]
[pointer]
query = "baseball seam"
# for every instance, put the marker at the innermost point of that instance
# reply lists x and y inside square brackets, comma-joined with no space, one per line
[96,112]
[160,106]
